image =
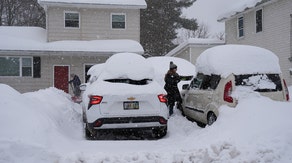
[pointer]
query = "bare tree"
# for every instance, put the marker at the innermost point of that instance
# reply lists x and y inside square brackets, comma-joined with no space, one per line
[201,32]
[220,35]
[21,13]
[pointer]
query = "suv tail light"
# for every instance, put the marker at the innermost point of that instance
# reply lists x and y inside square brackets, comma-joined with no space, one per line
[286,90]
[227,92]
[94,99]
[162,98]
[162,120]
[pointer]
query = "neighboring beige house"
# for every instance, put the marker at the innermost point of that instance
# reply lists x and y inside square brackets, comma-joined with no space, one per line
[263,23]
[78,35]
[193,47]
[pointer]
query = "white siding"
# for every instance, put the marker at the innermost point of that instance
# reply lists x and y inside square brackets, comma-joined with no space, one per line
[94,24]
[275,35]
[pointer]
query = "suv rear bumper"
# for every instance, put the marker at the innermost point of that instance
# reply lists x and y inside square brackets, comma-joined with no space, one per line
[128,122]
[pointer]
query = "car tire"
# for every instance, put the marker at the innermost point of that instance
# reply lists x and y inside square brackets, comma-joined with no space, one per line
[211,118]
[183,113]
[88,134]
[159,132]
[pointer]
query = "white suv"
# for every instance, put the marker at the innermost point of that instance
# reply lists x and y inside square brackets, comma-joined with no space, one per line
[221,70]
[123,96]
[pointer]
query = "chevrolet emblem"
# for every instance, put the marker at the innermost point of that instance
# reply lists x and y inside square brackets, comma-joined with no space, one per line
[131,98]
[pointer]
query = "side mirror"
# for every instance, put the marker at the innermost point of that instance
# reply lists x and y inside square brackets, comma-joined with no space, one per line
[82,87]
[185,86]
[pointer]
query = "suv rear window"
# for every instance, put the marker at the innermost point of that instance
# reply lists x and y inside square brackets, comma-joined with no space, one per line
[205,81]
[260,82]
[130,81]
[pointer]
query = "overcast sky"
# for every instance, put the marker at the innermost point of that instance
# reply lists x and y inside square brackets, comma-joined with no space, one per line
[207,12]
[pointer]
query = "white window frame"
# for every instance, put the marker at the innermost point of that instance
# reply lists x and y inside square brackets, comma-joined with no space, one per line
[73,12]
[111,24]
[237,27]
[255,20]
[20,65]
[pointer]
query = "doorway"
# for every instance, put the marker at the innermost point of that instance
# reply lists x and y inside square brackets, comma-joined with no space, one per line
[61,78]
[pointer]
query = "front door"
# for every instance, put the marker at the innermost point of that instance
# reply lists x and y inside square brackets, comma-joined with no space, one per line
[61,77]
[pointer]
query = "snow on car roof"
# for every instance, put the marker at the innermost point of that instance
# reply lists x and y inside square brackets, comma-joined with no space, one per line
[124,66]
[161,66]
[95,69]
[237,59]
[127,65]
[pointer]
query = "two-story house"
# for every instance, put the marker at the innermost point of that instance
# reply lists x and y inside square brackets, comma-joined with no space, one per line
[263,23]
[78,34]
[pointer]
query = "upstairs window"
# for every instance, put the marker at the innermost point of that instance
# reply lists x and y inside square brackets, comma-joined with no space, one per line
[118,21]
[240,27]
[16,66]
[71,19]
[259,20]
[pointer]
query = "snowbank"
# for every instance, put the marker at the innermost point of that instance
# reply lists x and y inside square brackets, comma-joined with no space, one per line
[237,59]
[45,126]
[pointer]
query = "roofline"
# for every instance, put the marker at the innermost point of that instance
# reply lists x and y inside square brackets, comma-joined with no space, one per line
[91,5]
[59,53]
[246,10]
[186,44]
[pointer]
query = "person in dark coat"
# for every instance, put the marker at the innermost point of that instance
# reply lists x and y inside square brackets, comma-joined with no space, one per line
[76,83]
[171,80]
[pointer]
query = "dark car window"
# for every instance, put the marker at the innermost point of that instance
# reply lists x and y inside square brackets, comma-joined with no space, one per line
[130,81]
[205,81]
[260,82]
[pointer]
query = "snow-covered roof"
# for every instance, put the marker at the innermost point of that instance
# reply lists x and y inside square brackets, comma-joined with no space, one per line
[195,42]
[34,39]
[242,6]
[96,3]
[237,59]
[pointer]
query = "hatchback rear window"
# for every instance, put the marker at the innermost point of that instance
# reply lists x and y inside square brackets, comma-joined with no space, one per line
[130,81]
[260,82]
[205,81]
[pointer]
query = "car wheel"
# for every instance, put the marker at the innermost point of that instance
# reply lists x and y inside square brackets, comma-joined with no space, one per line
[159,133]
[211,118]
[88,134]
[182,112]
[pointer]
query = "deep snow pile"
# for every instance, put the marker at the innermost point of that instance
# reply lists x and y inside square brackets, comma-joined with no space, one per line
[45,126]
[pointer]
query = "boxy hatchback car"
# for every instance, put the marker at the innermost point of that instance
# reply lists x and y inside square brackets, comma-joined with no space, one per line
[124,96]
[223,69]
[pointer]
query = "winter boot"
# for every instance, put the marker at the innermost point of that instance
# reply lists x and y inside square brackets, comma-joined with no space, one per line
[170,110]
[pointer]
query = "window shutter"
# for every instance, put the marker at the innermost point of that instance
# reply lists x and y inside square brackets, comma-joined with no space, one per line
[37,67]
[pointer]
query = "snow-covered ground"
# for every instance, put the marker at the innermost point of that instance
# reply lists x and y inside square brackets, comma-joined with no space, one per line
[45,126]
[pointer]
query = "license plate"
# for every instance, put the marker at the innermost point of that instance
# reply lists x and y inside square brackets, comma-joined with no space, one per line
[131,105]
